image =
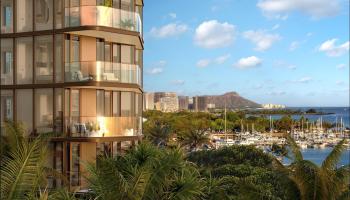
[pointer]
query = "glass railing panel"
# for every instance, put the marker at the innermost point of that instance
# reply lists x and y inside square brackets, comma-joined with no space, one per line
[102,71]
[103,16]
[103,126]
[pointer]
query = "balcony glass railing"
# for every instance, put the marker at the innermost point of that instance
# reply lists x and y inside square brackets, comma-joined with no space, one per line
[103,16]
[103,126]
[102,71]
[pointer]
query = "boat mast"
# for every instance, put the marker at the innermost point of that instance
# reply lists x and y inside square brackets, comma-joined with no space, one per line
[225,121]
[341,126]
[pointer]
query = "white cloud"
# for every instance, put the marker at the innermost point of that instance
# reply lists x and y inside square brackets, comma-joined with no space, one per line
[248,62]
[169,30]
[172,15]
[157,67]
[294,45]
[303,80]
[261,39]
[309,34]
[155,70]
[332,50]
[218,60]
[203,63]
[222,59]
[341,66]
[314,8]
[178,82]
[213,34]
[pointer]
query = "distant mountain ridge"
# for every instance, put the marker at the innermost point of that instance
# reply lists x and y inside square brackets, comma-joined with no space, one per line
[233,100]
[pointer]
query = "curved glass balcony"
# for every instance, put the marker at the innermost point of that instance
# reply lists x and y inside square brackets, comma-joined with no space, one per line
[103,16]
[103,126]
[102,71]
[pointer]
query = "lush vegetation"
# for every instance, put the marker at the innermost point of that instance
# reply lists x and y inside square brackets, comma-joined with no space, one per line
[173,168]
[179,125]
[24,174]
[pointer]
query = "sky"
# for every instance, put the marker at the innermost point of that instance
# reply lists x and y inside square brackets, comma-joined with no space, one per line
[290,52]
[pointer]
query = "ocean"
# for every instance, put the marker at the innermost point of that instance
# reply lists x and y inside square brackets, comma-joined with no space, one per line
[318,155]
[339,112]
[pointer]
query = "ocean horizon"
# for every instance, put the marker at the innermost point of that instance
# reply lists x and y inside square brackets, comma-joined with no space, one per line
[337,114]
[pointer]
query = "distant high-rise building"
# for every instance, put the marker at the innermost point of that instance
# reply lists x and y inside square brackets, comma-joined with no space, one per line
[190,103]
[183,102]
[199,103]
[166,101]
[169,104]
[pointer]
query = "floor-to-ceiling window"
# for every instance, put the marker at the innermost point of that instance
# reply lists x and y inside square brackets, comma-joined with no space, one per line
[24,18]
[6,16]
[44,59]
[127,59]
[72,59]
[58,58]
[59,13]
[100,101]
[6,61]
[43,14]
[116,104]
[24,102]
[6,107]
[108,104]
[24,60]
[44,110]
[75,165]
[58,115]
[75,104]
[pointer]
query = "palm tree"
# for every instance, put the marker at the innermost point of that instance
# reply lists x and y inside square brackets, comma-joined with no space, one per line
[325,182]
[158,132]
[23,170]
[145,172]
[194,133]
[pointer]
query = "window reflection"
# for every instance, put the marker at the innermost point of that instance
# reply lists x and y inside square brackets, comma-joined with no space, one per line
[6,61]
[44,59]
[6,16]
[24,60]
[44,110]
[43,14]
[24,15]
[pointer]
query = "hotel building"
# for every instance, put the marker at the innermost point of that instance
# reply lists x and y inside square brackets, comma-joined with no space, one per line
[73,68]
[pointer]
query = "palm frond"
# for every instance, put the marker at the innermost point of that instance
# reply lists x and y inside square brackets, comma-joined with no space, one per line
[295,150]
[62,194]
[333,158]
[21,169]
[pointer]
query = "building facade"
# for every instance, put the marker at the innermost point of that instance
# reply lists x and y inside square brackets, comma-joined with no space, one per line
[184,102]
[200,103]
[166,101]
[148,101]
[73,68]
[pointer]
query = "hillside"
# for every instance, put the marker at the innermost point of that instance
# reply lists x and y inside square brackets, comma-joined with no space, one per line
[233,100]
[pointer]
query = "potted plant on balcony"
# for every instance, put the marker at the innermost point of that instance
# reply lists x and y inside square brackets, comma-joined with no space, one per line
[108,3]
[127,24]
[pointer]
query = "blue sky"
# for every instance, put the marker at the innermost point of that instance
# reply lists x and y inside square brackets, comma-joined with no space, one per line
[292,52]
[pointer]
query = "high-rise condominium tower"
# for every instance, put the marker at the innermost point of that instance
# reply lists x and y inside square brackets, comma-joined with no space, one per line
[73,68]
